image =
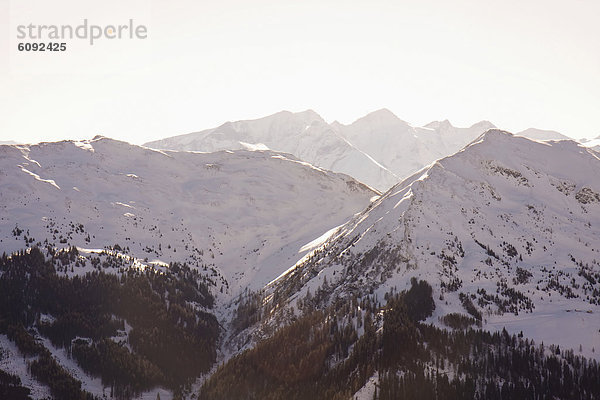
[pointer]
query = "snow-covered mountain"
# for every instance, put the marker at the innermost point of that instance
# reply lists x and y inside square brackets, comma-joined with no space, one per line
[378,149]
[245,214]
[305,135]
[540,134]
[507,230]
[402,148]
[236,218]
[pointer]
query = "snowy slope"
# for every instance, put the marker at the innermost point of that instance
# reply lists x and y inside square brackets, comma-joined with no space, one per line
[511,224]
[244,214]
[13,362]
[241,217]
[305,135]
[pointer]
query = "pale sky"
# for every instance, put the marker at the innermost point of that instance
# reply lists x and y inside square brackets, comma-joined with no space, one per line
[518,64]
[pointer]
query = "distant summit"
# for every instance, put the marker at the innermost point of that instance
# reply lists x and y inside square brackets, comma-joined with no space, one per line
[540,134]
[382,116]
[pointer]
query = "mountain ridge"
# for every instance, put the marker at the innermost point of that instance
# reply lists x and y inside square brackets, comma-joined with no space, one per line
[85,179]
[379,149]
[505,230]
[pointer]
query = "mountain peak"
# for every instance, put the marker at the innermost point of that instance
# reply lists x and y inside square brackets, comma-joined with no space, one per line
[382,116]
[306,116]
[309,114]
[440,125]
[445,125]
[483,125]
[382,113]
[494,134]
[504,202]
[542,134]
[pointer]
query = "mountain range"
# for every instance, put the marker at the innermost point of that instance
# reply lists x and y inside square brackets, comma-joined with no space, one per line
[502,236]
[378,149]
[136,271]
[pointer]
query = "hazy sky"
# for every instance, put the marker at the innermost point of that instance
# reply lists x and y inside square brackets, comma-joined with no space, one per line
[518,64]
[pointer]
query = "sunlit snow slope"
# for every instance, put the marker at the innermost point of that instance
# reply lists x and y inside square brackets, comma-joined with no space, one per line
[507,229]
[242,216]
